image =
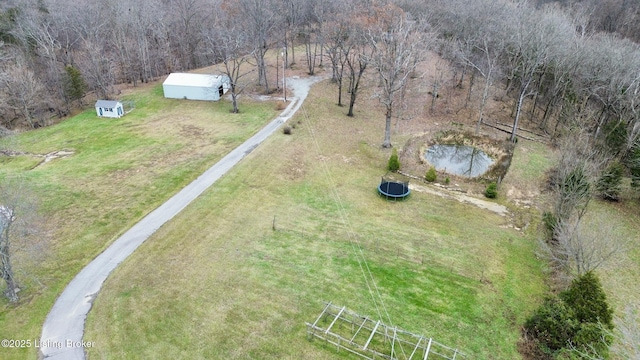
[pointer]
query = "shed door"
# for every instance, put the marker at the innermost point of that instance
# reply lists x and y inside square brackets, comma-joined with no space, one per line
[100,109]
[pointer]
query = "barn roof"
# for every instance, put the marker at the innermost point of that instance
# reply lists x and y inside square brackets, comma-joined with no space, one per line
[187,79]
[106,103]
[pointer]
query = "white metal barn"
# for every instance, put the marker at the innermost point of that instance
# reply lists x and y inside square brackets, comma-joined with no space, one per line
[109,108]
[195,86]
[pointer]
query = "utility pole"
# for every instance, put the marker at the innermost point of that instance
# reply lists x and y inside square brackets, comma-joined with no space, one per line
[277,67]
[284,79]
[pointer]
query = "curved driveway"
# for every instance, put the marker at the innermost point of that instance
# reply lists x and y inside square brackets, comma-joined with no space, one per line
[64,326]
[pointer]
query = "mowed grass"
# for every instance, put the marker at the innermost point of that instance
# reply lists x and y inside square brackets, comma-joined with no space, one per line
[219,281]
[120,170]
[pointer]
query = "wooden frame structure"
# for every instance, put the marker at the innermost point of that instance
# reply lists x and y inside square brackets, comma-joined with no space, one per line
[372,339]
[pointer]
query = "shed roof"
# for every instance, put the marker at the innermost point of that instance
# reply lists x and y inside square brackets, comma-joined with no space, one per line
[187,79]
[106,103]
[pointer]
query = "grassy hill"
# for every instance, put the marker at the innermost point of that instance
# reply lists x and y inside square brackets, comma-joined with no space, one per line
[220,282]
[239,272]
[118,171]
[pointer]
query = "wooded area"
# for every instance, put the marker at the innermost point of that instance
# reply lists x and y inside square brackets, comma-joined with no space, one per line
[565,63]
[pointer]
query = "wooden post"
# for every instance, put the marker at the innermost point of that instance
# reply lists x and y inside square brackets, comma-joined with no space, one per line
[335,319]
[426,353]
[416,348]
[371,336]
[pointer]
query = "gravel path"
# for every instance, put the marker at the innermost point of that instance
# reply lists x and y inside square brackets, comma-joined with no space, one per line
[483,204]
[63,328]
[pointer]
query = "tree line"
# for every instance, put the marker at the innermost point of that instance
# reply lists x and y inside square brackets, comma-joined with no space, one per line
[565,64]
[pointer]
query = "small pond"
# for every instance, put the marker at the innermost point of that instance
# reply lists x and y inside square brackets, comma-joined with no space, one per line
[459,160]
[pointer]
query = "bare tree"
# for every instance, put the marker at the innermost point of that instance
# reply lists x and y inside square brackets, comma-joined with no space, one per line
[26,96]
[18,232]
[436,83]
[99,68]
[310,30]
[486,65]
[396,44]
[571,179]
[292,18]
[259,19]
[337,48]
[231,45]
[357,55]
[190,15]
[628,334]
[348,49]
[531,45]
[580,247]
[322,11]
[315,13]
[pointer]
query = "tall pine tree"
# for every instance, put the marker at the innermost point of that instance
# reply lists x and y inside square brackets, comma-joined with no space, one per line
[75,86]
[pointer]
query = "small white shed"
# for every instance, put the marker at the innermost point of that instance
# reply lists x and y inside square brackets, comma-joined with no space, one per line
[109,108]
[195,86]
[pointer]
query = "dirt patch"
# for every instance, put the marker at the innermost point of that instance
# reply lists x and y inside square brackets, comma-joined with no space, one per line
[295,169]
[443,191]
[193,131]
[58,154]
[55,155]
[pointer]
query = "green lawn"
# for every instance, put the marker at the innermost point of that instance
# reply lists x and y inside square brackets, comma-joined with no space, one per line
[120,170]
[219,282]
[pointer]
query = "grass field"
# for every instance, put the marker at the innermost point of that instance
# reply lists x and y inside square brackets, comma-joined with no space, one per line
[219,282]
[238,273]
[120,170]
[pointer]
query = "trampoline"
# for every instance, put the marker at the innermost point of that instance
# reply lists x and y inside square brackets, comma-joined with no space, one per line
[393,189]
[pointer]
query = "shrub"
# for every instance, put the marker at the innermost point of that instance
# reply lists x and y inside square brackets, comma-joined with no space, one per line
[431,175]
[74,85]
[447,180]
[550,221]
[588,299]
[575,184]
[394,162]
[608,185]
[592,338]
[578,317]
[553,324]
[281,105]
[615,136]
[286,130]
[491,191]
[633,163]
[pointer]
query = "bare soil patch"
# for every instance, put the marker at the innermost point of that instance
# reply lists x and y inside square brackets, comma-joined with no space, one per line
[58,154]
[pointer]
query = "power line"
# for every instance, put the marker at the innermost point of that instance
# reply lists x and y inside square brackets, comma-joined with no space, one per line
[355,245]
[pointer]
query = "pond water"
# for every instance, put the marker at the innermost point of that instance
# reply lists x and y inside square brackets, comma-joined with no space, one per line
[459,159]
